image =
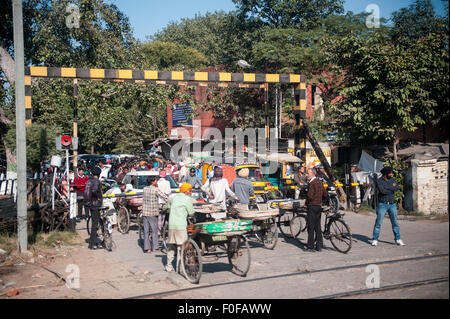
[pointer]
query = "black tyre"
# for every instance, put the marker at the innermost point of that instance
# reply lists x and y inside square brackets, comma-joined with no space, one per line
[334,204]
[239,257]
[191,261]
[284,222]
[340,235]
[88,225]
[269,233]
[165,238]
[107,238]
[123,220]
[297,226]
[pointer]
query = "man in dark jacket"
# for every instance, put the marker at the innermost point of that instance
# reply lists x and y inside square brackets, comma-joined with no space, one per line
[386,203]
[93,200]
[316,194]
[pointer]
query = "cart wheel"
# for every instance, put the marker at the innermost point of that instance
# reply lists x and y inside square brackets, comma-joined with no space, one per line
[165,238]
[123,220]
[284,222]
[191,261]
[239,255]
[297,225]
[340,235]
[269,233]
[107,238]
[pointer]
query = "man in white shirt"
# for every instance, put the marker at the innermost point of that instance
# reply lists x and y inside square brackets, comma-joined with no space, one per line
[164,186]
[182,172]
[217,188]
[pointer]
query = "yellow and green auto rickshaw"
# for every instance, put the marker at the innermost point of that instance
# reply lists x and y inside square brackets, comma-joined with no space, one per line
[279,169]
[264,191]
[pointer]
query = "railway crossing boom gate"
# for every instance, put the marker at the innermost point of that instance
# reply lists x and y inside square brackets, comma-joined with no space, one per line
[197,79]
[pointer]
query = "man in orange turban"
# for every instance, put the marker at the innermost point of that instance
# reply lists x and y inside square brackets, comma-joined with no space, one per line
[180,207]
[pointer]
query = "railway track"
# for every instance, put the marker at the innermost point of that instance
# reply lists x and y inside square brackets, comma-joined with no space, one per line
[404,285]
[308,272]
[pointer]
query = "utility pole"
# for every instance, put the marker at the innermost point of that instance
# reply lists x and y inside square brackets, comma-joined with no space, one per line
[266,114]
[75,121]
[21,142]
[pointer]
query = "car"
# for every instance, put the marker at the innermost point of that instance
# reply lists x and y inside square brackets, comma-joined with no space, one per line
[136,181]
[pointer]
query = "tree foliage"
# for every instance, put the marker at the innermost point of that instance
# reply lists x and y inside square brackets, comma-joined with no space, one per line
[302,14]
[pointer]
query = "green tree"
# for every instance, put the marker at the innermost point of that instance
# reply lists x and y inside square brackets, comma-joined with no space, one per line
[222,37]
[302,14]
[169,55]
[383,91]
[416,21]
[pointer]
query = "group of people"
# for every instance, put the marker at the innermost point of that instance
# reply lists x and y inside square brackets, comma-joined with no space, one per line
[157,198]
[313,178]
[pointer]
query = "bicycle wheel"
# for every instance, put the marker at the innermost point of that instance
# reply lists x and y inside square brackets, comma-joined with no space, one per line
[123,220]
[238,253]
[269,233]
[88,225]
[191,261]
[284,222]
[334,204]
[340,235]
[107,237]
[298,225]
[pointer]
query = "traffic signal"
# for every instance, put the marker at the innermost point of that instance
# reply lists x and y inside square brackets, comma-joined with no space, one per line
[66,142]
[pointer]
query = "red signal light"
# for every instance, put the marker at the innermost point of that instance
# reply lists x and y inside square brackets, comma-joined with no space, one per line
[66,140]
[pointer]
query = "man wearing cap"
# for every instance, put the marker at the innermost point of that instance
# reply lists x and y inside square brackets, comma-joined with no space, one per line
[192,179]
[387,187]
[93,198]
[180,207]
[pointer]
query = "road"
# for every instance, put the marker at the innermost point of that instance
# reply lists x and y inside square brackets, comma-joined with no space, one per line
[287,272]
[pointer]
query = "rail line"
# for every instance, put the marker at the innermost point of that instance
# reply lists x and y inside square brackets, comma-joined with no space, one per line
[385,288]
[298,273]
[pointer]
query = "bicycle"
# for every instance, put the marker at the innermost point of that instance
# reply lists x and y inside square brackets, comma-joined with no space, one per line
[104,229]
[335,229]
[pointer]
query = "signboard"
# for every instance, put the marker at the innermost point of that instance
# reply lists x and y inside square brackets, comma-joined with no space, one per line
[181,114]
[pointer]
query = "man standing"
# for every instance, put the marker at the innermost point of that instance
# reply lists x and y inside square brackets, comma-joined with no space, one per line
[316,194]
[79,185]
[300,179]
[93,200]
[192,179]
[150,213]
[180,208]
[242,187]
[386,203]
[164,186]
[217,188]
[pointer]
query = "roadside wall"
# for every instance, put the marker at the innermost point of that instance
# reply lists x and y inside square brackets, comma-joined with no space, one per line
[426,188]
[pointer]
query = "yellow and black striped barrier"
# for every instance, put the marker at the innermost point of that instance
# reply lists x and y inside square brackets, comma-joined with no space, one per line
[181,78]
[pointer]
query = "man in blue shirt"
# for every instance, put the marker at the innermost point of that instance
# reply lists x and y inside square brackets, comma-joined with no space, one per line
[386,203]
